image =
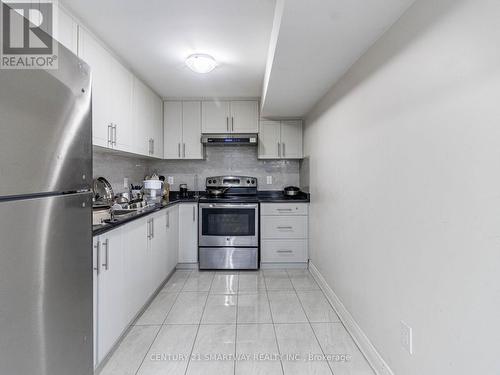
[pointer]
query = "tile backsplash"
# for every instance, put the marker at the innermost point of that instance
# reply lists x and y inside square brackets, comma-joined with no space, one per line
[224,160]
[114,167]
[219,160]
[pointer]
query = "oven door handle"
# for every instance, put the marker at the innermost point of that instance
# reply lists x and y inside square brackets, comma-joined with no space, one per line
[229,205]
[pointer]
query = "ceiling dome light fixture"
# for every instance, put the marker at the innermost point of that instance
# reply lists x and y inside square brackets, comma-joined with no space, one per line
[201,63]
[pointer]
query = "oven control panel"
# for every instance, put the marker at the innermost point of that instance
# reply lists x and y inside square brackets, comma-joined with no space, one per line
[231,181]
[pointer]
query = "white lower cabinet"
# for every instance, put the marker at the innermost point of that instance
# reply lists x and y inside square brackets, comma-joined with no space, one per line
[284,233]
[188,233]
[172,217]
[110,298]
[158,249]
[137,263]
[130,264]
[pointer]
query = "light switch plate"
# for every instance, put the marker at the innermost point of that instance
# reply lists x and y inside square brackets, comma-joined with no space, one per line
[125,182]
[406,337]
[269,180]
[170,180]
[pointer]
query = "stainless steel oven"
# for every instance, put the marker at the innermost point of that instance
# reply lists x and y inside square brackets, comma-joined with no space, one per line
[229,224]
[228,235]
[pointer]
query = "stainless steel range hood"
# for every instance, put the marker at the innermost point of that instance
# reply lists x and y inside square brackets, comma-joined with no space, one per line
[229,139]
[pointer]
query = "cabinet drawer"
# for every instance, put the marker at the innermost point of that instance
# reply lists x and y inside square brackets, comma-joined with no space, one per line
[285,209]
[284,251]
[274,227]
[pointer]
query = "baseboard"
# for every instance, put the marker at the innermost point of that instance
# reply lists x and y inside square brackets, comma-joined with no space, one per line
[372,355]
[186,266]
[267,266]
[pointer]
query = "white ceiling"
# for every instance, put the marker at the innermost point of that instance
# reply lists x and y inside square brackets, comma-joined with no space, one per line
[307,45]
[155,36]
[315,42]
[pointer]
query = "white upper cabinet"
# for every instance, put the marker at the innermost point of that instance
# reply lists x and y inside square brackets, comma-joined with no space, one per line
[280,139]
[99,60]
[172,130]
[269,139]
[244,116]
[126,114]
[291,139]
[237,116]
[120,88]
[67,30]
[191,130]
[215,116]
[182,130]
[157,133]
[147,117]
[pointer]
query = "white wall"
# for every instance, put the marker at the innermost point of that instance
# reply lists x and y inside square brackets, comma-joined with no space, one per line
[404,164]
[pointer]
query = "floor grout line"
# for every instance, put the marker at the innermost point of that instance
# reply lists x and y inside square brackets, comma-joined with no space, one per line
[161,326]
[274,325]
[198,328]
[312,329]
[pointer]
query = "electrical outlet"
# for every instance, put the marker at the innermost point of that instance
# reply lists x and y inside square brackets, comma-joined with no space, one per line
[125,182]
[406,337]
[170,180]
[269,180]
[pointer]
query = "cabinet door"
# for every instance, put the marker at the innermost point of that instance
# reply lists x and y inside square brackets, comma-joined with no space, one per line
[215,116]
[110,299]
[99,59]
[141,118]
[191,130]
[67,30]
[269,140]
[188,233]
[96,248]
[291,139]
[172,237]
[157,126]
[158,250]
[120,93]
[136,265]
[244,116]
[172,130]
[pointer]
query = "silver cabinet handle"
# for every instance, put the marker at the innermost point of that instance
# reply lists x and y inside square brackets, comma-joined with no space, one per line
[179,149]
[284,251]
[152,146]
[287,227]
[284,209]
[183,150]
[283,147]
[279,149]
[110,141]
[152,228]
[194,213]
[149,229]
[227,123]
[106,257]
[232,123]
[98,257]
[168,219]
[114,133]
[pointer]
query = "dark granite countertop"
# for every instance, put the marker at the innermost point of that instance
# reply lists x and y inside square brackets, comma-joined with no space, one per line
[265,196]
[106,227]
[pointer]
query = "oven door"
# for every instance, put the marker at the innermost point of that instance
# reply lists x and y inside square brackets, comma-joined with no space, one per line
[229,224]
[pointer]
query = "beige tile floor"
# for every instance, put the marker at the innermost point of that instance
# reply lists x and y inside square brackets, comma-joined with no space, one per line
[256,323]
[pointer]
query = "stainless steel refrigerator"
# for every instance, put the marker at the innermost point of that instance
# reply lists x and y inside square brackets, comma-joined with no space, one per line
[45,220]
